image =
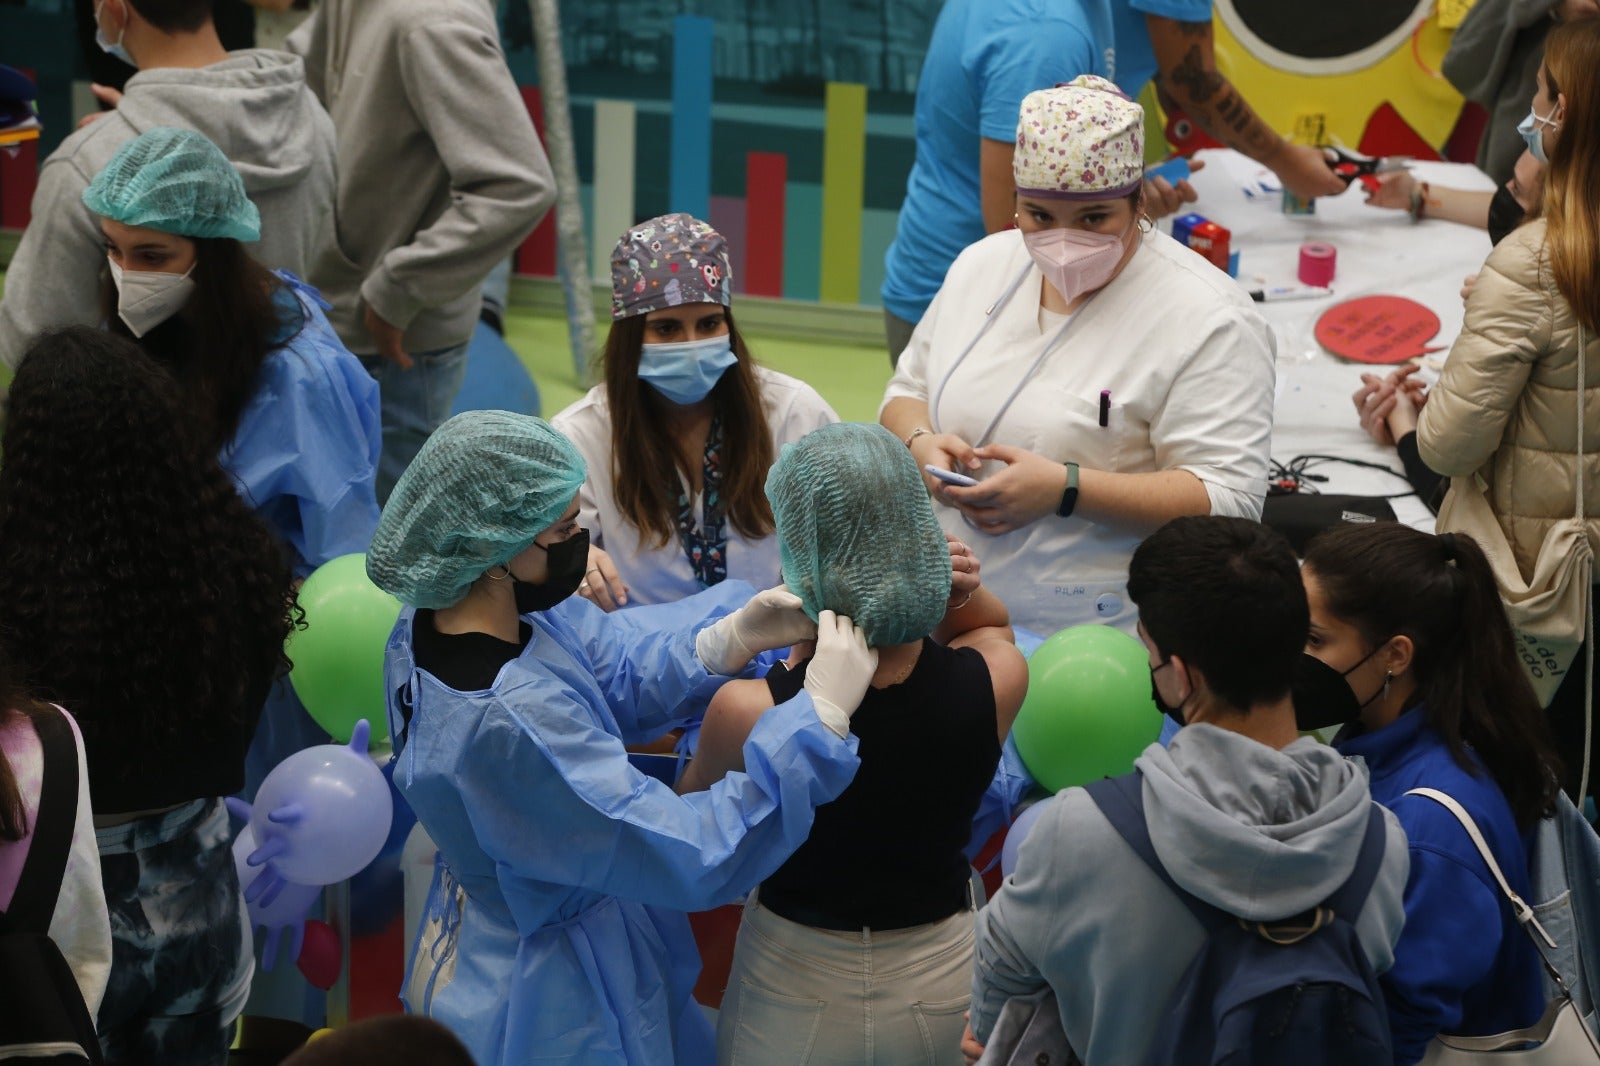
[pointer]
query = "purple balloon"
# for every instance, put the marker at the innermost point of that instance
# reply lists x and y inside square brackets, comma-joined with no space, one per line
[323,813]
[1019,832]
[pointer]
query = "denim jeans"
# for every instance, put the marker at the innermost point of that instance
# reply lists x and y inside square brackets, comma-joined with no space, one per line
[415,403]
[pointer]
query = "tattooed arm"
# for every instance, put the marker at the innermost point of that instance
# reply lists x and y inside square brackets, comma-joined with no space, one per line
[1189,79]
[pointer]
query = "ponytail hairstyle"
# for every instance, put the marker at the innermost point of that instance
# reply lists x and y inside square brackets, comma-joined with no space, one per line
[1387,579]
[1571,204]
[14,703]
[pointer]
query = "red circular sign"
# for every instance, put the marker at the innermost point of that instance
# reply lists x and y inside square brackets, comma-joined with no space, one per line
[1378,329]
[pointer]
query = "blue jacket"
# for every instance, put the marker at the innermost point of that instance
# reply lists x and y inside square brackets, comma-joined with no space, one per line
[1462,966]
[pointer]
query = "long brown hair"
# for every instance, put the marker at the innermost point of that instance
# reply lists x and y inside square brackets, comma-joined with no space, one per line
[13,702]
[216,344]
[646,460]
[1571,205]
[1387,579]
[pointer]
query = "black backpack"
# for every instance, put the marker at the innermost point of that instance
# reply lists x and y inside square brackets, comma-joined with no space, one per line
[44,1018]
[1299,992]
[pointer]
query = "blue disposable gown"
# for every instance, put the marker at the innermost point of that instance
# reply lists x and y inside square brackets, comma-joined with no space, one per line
[306,451]
[554,929]
[305,457]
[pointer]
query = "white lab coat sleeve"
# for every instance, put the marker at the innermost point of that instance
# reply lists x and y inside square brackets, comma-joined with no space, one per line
[1216,418]
[553,798]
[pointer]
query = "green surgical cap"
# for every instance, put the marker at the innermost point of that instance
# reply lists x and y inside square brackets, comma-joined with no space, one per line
[483,486]
[856,532]
[175,181]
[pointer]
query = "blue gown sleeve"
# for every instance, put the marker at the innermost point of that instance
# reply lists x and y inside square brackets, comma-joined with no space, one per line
[553,799]
[644,658]
[1011,782]
[306,452]
[1450,941]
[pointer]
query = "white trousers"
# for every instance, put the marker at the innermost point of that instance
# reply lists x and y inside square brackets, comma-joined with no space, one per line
[800,995]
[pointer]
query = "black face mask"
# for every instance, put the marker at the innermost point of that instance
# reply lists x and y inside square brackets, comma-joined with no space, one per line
[568,559]
[1174,713]
[1505,214]
[1322,695]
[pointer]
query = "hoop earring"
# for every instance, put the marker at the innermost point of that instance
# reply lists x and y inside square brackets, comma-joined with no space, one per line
[505,572]
[1146,223]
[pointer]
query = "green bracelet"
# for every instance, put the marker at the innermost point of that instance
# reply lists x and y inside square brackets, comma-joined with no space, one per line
[1069,498]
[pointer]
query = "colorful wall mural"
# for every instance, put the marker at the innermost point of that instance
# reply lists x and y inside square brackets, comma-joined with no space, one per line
[787,123]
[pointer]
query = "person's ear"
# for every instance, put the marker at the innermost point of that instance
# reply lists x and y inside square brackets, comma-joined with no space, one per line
[1561,107]
[1398,654]
[1187,677]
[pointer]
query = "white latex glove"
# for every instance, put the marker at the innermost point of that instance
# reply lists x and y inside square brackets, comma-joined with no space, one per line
[840,671]
[772,619]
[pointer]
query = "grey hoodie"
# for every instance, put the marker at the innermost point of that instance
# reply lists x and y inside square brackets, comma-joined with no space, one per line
[255,105]
[1259,833]
[441,173]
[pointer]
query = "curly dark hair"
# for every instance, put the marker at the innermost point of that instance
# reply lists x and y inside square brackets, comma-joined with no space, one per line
[141,591]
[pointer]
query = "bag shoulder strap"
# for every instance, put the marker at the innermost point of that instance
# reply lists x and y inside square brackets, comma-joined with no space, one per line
[1519,906]
[1121,800]
[33,903]
[1583,344]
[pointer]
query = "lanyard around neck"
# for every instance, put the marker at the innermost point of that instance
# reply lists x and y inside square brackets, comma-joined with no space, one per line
[990,315]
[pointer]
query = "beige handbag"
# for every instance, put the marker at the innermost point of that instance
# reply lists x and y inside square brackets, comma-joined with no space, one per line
[1560,1038]
[1550,611]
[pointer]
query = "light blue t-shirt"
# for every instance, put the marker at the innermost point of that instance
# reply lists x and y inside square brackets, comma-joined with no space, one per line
[983,58]
[1135,62]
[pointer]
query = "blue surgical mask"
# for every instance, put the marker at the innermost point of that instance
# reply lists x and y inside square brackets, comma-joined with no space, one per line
[686,372]
[111,48]
[1532,130]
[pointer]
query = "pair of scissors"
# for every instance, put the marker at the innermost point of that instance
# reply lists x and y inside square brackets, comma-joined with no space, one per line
[1349,166]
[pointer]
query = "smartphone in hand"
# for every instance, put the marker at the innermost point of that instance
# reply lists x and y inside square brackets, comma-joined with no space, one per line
[950,477]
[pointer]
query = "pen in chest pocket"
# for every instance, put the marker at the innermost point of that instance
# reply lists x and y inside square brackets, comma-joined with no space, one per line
[1105,408]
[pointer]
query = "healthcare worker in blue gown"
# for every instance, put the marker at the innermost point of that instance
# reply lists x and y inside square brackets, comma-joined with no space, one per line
[293,415]
[554,929]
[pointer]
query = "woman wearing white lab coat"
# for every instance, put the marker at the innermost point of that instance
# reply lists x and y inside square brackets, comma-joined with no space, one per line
[1094,376]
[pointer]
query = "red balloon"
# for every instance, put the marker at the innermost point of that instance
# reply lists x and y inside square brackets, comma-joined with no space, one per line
[320,955]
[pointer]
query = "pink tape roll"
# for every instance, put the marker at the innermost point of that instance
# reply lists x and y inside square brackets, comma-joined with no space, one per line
[1317,263]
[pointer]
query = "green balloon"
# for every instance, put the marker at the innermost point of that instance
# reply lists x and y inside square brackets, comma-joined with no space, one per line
[338,656]
[1088,713]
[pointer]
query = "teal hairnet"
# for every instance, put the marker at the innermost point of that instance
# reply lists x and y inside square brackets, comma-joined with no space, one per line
[483,486]
[856,532]
[175,181]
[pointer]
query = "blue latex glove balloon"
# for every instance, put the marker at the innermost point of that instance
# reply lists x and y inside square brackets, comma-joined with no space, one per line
[286,906]
[322,814]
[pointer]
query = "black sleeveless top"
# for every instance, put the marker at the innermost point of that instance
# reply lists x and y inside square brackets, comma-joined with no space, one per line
[887,853]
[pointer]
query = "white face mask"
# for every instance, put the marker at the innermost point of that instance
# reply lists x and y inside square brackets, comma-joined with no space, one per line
[147,298]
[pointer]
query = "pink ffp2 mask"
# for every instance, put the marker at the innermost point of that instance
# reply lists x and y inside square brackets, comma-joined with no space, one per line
[1074,261]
